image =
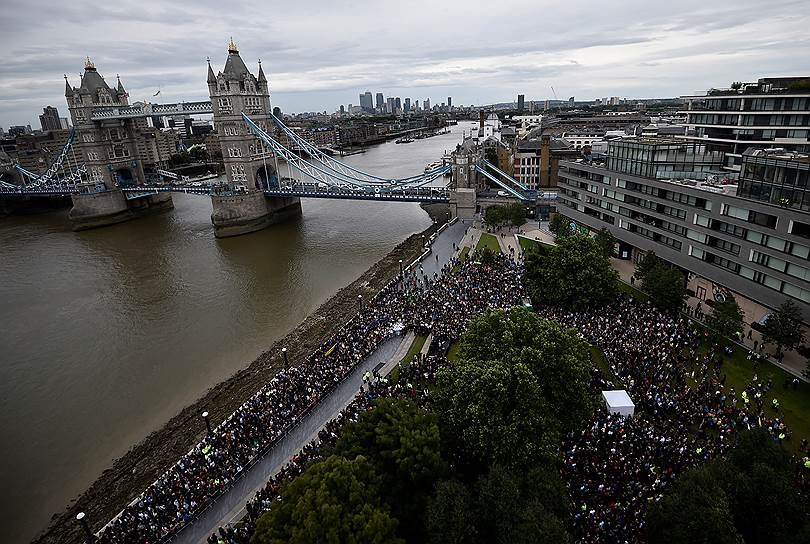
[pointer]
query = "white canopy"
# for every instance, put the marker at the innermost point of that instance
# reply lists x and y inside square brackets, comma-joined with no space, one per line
[618,402]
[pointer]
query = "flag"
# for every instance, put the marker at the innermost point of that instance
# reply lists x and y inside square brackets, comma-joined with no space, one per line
[330,350]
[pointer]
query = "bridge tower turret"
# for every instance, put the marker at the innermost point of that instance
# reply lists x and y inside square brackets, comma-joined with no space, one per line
[250,168]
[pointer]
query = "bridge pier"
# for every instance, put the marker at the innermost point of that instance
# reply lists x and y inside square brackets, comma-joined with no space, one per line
[99,209]
[241,213]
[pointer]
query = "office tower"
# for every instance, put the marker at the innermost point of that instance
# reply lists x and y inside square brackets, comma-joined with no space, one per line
[342,110]
[407,105]
[391,105]
[366,102]
[380,102]
[398,104]
[449,102]
[427,104]
[50,119]
[520,102]
[571,102]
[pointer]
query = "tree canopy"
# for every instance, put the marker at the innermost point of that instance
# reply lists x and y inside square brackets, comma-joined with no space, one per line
[605,239]
[334,501]
[513,214]
[575,274]
[560,226]
[559,359]
[784,327]
[726,318]
[748,496]
[665,285]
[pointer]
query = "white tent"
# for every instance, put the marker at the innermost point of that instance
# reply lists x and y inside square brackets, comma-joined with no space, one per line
[618,402]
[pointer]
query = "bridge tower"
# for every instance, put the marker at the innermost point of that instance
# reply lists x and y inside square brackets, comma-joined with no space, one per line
[463,199]
[112,151]
[249,167]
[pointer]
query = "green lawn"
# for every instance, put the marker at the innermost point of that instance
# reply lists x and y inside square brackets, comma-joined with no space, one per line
[452,353]
[795,404]
[633,292]
[415,348]
[488,240]
[527,245]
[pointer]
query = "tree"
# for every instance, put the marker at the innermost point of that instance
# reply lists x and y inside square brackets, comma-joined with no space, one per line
[402,441]
[749,496]
[494,216]
[726,318]
[450,517]
[575,274]
[560,226]
[605,239]
[784,327]
[695,511]
[516,214]
[559,359]
[494,411]
[665,285]
[333,501]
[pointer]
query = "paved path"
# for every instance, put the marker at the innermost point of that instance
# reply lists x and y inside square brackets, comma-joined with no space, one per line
[231,507]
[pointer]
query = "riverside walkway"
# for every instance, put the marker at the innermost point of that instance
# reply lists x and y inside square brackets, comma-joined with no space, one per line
[230,507]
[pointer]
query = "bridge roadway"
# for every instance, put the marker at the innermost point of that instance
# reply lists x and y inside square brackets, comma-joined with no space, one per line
[231,506]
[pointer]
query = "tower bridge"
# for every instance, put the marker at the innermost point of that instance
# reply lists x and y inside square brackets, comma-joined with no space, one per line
[113,156]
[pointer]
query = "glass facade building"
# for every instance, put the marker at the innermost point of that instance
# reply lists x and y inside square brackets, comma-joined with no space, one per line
[778,179]
[662,158]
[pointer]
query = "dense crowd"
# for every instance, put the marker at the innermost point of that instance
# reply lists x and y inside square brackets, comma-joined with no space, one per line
[443,304]
[616,467]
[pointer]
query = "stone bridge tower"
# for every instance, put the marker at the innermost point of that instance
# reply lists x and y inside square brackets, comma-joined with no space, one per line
[249,167]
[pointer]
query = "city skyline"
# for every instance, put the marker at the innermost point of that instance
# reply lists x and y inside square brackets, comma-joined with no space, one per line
[666,51]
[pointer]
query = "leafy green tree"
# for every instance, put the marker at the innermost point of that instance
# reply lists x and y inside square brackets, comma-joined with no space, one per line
[451,517]
[726,318]
[665,285]
[605,239]
[516,214]
[695,511]
[559,359]
[560,226]
[402,441]
[494,411]
[333,501]
[784,327]
[575,274]
[513,509]
[494,216]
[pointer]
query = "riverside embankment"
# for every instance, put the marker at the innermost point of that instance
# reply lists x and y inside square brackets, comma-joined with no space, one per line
[135,470]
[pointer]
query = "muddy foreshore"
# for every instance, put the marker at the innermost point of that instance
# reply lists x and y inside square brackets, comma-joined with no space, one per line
[144,462]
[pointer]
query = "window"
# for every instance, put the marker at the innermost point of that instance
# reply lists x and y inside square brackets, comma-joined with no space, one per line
[238,172]
[88,137]
[800,229]
[92,156]
[234,152]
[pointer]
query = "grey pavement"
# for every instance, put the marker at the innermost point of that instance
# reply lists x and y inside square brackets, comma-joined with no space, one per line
[442,247]
[230,506]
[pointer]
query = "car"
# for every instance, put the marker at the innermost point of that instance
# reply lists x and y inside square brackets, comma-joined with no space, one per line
[503,193]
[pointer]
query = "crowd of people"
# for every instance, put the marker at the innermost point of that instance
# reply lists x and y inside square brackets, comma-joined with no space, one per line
[685,415]
[443,304]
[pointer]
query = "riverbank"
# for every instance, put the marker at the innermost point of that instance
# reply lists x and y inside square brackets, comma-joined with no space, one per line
[131,474]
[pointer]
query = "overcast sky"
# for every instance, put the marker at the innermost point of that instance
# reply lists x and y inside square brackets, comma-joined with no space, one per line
[318,54]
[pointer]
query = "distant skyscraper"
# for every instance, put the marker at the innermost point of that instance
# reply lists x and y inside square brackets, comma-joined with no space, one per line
[398,104]
[380,102]
[416,106]
[571,102]
[521,102]
[367,102]
[277,112]
[407,105]
[50,119]
[427,104]
[391,104]
[449,102]
[342,110]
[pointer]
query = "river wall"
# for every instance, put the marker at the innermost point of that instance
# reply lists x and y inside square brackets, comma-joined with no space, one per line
[132,473]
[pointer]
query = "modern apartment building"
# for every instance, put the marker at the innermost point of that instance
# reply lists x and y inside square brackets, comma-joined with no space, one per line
[771,113]
[671,196]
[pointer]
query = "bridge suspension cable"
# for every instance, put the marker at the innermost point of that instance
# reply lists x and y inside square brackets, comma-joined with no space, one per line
[341,167]
[327,173]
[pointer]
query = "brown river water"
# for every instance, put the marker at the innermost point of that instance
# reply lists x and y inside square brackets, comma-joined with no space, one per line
[106,334]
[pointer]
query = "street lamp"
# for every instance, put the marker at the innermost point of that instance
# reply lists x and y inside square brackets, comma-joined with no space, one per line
[400,268]
[207,422]
[423,241]
[360,302]
[89,538]
[286,361]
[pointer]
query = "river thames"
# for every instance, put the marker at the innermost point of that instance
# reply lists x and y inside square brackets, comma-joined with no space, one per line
[106,334]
